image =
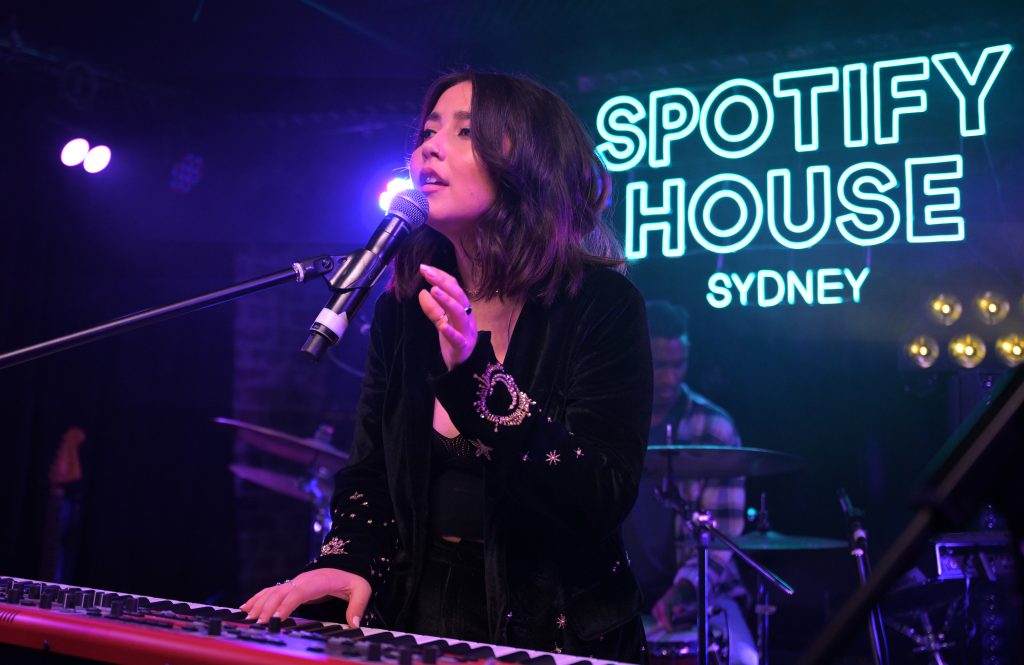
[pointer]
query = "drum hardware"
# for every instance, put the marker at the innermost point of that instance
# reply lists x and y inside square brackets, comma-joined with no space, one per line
[316,453]
[713,462]
[702,527]
[915,601]
[927,640]
[680,647]
[773,541]
[763,539]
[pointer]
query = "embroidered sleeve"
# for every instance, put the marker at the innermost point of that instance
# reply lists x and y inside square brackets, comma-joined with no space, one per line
[363,537]
[567,449]
[519,408]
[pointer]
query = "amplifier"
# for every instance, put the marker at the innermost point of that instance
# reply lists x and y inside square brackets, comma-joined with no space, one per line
[978,554]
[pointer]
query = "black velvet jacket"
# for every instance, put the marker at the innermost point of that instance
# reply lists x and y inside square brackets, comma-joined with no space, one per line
[557,486]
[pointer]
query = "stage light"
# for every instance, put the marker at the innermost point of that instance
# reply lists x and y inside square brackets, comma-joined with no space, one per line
[74,152]
[945,309]
[1011,349]
[97,159]
[923,351]
[992,307]
[396,185]
[967,350]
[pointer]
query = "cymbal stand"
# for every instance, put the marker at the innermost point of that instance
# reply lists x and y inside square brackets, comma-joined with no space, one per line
[321,487]
[927,640]
[763,607]
[703,527]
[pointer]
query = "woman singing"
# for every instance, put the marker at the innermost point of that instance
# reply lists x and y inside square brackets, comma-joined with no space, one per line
[500,433]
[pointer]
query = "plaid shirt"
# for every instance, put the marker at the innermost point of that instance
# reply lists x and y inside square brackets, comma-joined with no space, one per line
[657,554]
[698,421]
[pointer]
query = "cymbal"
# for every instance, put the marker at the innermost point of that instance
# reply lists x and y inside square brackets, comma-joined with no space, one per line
[775,541]
[924,596]
[701,462]
[293,486]
[287,446]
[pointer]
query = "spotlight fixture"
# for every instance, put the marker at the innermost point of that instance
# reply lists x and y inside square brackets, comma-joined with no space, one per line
[97,159]
[74,152]
[923,351]
[992,307]
[396,185]
[945,308]
[1011,349]
[967,350]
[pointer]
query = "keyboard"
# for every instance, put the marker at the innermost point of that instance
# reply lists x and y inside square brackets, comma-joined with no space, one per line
[113,627]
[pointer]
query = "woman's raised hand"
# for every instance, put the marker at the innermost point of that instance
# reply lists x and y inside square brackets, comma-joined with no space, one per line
[282,599]
[447,305]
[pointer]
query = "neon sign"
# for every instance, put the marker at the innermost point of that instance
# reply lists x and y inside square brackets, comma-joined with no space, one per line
[873,201]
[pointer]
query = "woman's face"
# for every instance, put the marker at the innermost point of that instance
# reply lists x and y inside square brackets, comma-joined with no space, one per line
[446,168]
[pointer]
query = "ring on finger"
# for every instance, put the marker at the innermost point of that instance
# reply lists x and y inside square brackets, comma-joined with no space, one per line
[469,309]
[444,315]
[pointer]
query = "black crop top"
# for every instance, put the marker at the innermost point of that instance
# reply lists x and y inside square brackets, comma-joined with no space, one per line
[456,488]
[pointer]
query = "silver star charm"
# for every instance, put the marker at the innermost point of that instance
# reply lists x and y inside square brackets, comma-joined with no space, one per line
[560,621]
[553,458]
[481,449]
[579,453]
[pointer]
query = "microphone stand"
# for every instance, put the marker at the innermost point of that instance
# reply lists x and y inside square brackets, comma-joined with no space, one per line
[702,524]
[859,551]
[300,272]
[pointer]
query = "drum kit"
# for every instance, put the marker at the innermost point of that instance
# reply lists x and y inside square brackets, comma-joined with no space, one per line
[673,462]
[319,458]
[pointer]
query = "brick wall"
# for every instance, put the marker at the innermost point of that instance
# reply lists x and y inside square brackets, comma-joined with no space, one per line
[276,386]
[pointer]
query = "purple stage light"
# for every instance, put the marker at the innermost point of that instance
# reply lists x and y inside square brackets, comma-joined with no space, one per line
[97,159]
[74,152]
[396,185]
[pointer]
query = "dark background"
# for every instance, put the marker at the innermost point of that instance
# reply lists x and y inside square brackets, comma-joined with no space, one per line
[300,112]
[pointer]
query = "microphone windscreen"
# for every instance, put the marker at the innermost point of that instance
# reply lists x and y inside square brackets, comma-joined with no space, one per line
[410,205]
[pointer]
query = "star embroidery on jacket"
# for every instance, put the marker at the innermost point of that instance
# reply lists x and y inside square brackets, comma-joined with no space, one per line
[560,621]
[334,546]
[482,450]
[526,457]
[356,496]
[579,453]
[553,458]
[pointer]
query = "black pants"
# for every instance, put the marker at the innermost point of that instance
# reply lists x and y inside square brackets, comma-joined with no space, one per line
[451,600]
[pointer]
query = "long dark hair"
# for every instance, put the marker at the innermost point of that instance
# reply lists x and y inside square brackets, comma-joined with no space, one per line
[545,225]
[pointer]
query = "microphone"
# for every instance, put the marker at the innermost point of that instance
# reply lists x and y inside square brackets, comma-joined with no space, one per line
[358,272]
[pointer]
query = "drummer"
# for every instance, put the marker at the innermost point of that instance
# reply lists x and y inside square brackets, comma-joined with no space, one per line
[665,563]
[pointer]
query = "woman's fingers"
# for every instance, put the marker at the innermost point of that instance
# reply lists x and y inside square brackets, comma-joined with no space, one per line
[432,309]
[447,307]
[283,602]
[359,598]
[282,599]
[446,283]
[456,311]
